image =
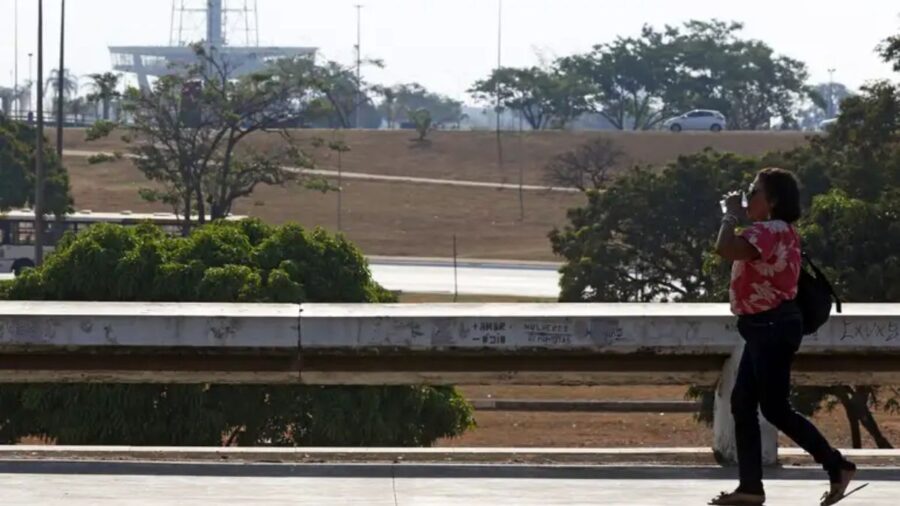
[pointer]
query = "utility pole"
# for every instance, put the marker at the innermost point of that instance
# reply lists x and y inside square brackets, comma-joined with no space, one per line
[831,92]
[358,62]
[18,109]
[30,79]
[61,95]
[499,59]
[497,88]
[39,154]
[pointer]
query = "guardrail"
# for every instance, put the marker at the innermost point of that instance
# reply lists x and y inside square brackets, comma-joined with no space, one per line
[363,344]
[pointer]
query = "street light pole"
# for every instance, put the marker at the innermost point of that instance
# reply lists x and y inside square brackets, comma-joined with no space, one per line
[358,62]
[497,110]
[39,153]
[30,81]
[18,109]
[61,96]
[499,60]
[831,93]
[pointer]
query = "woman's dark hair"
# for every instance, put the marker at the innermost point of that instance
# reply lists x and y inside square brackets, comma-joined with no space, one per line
[783,191]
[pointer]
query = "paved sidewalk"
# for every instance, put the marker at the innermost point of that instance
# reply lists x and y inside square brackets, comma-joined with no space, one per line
[132,484]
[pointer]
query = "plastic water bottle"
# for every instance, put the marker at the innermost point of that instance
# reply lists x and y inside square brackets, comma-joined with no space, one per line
[743,203]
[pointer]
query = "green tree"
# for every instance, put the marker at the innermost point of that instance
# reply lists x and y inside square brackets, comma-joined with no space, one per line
[627,80]
[51,86]
[17,174]
[330,91]
[188,132]
[104,90]
[245,261]
[743,78]
[422,119]
[388,105]
[890,51]
[545,98]
[77,107]
[636,82]
[646,235]
[401,101]
[824,103]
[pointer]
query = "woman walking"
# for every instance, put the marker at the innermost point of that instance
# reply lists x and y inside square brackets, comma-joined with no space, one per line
[767,262]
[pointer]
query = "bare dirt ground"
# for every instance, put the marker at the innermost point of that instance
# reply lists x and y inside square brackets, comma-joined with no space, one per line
[420,220]
[473,155]
[381,218]
[537,429]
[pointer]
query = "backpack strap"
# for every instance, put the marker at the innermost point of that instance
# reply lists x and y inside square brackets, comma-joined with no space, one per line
[821,277]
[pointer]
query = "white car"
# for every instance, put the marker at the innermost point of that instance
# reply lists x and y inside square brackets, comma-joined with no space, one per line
[698,119]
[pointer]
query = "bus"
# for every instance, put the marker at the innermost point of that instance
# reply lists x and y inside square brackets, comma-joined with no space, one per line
[17,231]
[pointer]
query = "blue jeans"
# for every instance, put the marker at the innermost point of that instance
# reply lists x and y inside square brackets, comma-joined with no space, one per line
[764,381]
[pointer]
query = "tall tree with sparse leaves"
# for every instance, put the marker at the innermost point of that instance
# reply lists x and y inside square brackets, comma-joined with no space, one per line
[545,98]
[188,134]
[104,90]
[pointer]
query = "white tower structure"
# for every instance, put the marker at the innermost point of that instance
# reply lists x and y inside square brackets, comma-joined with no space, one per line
[223,21]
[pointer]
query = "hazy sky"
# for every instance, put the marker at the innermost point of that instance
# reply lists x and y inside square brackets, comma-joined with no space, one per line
[448,44]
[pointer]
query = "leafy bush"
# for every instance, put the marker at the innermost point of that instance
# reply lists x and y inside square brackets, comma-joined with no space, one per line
[421,118]
[98,158]
[17,175]
[245,261]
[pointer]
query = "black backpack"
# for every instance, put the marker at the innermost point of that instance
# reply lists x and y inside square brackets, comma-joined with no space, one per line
[814,297]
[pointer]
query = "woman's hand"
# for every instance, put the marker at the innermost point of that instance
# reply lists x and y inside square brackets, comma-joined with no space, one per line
[734,203]
[728,245]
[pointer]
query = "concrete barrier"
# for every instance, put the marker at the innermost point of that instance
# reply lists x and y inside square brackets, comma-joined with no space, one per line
[360,344]
[418,343]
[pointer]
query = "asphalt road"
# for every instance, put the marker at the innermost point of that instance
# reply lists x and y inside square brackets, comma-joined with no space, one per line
[472,277]
[133,484]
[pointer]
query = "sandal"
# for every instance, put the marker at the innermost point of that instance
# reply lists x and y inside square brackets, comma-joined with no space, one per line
[838,489]
[737,499]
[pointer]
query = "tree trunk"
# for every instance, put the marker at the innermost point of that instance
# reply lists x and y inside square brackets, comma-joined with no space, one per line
[856,405]
[106,109]
[843,395]
[201,205]
[186,223]
[855,435]
[868,419]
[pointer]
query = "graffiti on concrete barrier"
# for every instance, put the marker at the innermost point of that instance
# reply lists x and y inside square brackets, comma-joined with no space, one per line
[490,333]
[886,330]
[548,334]
[606,331]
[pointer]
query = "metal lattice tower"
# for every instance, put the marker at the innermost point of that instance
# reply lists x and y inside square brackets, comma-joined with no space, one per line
[218,22]
[231,26]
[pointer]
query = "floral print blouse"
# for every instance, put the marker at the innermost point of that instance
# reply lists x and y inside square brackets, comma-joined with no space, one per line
[763,284]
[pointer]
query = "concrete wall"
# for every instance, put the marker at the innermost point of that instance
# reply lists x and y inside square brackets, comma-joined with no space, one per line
[431,343]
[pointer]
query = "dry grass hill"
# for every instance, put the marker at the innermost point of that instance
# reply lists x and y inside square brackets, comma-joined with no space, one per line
[389,218]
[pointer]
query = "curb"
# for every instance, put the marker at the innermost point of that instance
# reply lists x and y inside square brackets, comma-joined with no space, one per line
[501,456]
[585,406]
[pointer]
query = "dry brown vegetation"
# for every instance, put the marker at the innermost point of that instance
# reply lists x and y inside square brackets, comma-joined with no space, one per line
[535,429]
[415,219]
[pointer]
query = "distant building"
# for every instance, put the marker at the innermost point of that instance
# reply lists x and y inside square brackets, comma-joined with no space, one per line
[155,61]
